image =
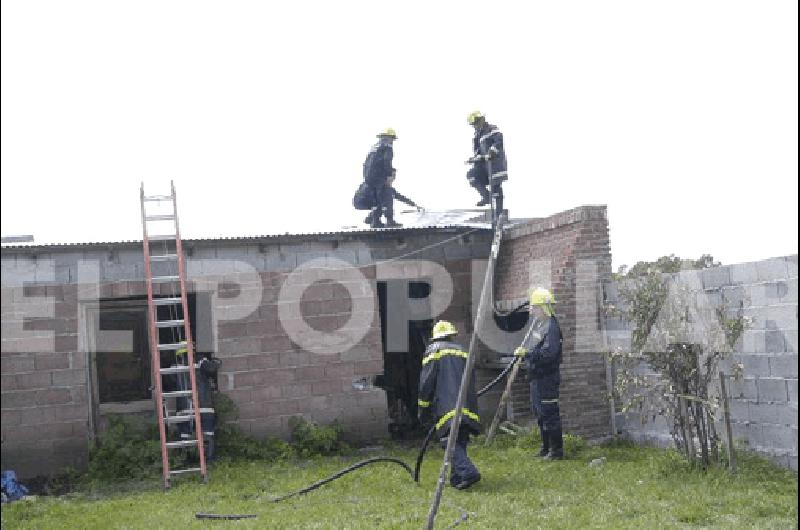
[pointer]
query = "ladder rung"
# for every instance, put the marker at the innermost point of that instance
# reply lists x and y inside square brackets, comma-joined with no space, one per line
[169,323]
[203,410]
[166,301]
[162,237]
[158,198]
[168,217]
[176,369]
[172,347]
[182,443]
[187,470]
[177,393]
[164,257]
[165,279]
[178,419]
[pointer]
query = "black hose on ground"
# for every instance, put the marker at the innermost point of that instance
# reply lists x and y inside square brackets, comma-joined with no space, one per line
[223,516]
[423,448]
[345,471]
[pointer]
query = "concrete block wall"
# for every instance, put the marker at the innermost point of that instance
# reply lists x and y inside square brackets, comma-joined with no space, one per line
[569,253]
[45,400]
[45,397]
[764,402]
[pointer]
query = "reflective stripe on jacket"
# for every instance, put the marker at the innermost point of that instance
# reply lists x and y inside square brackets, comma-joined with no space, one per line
[439,382]
[489,140]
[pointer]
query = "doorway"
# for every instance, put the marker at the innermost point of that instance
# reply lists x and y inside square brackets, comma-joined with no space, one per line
[402,359]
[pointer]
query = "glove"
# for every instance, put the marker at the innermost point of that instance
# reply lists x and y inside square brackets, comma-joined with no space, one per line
[520,352]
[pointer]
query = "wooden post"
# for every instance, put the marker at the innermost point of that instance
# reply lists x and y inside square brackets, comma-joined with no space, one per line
[726,411]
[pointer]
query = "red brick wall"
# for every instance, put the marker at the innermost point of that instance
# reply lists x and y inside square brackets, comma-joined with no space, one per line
[575,244]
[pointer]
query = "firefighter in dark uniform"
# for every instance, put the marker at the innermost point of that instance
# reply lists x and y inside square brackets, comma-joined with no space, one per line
[487,148]
[205,377]
[542,355]
[439,383]
[364,199]
[377,171]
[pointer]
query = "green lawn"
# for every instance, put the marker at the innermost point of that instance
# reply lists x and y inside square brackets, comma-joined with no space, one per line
[636,488]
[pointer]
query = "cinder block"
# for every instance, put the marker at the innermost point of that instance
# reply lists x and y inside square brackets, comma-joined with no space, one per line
[740,409]
[772,390]
[790,295]
[791,266]
[754,365]
[763,412]
[791,389]
[743,273]
[786,415]
[779,436]
[772,269]
[52,396]
[783,366]
[68,377]
[790,340]
[774,341]
[735,296]
[34,380]
[716,277]
[14,364]
[781,317]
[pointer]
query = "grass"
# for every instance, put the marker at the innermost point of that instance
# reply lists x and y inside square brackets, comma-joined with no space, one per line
[637,487]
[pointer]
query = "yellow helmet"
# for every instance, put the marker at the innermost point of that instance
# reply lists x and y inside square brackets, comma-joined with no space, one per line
[443,329]
[543,297]
[474,116]
[388,132]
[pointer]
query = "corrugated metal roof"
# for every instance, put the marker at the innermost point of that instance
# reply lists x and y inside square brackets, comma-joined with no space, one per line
[413,222]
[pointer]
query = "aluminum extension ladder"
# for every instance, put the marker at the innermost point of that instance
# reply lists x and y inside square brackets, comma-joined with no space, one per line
[170,332]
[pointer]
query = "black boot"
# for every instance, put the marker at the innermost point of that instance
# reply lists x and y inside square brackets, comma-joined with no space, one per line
[486,197]
[556,445]
[376,218]
[545,444]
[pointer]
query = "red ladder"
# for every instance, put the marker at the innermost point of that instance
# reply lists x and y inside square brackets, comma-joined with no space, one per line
[169,256]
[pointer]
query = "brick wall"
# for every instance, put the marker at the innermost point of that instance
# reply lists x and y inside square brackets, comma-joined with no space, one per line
[44,385]
[568,252]
[764,402]
[46,414]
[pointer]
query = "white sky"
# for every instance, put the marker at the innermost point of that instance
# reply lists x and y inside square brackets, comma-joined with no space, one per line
[680,116]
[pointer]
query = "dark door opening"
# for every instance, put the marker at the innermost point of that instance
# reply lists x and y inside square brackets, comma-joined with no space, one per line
[402,363]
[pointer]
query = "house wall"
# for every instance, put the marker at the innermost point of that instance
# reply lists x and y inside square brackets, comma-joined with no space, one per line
[270,374]
[568,253]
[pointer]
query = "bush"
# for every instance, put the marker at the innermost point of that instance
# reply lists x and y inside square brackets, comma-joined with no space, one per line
[129,449]
[310,439]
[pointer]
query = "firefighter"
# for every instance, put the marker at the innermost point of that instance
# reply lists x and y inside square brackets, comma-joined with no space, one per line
[205,377]
[364,199]
[439,382]
[377,171]
[542,355]
[488,152]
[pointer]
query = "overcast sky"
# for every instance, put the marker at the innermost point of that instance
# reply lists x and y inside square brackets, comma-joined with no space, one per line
[681,116]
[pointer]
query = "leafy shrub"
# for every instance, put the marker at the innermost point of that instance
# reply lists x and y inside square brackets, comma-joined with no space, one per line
[129,449]
[310,439]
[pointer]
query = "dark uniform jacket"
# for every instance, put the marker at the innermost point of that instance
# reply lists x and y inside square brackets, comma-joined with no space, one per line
[442,368]
[544,355]
[489,140]
[364,198]
[378,164]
